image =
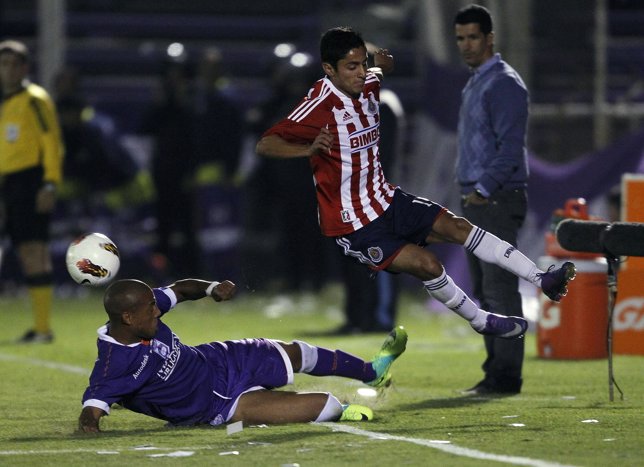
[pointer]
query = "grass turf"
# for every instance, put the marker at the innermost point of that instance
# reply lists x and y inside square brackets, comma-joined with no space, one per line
[563,415]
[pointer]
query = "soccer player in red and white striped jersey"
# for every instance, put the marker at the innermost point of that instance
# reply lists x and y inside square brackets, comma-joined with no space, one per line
[351,186]
[337,127]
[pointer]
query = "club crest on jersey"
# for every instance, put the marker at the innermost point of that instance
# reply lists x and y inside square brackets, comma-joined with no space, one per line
[375,254]
[160,348]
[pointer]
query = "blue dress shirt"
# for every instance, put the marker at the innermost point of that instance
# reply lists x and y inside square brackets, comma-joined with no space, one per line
[492,128]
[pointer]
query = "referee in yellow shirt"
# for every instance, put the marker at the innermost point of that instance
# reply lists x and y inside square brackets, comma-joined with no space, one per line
[31,157]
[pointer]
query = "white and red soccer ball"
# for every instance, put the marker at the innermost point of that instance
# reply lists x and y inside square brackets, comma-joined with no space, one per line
[93,259]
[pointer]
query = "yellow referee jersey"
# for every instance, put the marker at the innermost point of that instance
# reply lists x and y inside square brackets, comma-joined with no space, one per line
[30,134]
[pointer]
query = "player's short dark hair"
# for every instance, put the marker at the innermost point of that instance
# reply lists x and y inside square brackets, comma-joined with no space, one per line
[17,48]
[123,295]
[475,14]
[336,43]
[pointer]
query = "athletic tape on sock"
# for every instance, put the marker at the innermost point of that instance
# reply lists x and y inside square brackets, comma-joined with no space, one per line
[211,288]
[309,356]
[331,411]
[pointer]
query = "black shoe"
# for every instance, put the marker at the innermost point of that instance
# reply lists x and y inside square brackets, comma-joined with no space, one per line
[33,337]
[485,388]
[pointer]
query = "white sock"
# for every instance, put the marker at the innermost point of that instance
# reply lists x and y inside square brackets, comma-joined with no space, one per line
[447,292]
[331,411]
[309,356]
[492,249]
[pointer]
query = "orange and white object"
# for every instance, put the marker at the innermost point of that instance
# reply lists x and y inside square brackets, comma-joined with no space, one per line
[628,315]
[575,328]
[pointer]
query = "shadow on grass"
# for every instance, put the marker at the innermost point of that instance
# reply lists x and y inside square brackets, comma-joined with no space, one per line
[15,343]
[342,333]
[87,436]
[454,402]
[266,436]
[12,343]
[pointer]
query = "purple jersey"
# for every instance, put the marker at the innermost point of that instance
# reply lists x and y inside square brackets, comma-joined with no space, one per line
[182,384]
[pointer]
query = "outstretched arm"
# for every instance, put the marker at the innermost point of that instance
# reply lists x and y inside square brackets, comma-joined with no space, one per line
[88,420]
[275,146]
[195,289]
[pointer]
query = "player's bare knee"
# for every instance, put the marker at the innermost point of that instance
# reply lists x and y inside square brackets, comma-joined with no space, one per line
[429,267]
[452,228]
[462,228]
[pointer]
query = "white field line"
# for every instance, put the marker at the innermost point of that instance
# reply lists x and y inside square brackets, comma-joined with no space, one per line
[47,364]
[446,446]
[434,444]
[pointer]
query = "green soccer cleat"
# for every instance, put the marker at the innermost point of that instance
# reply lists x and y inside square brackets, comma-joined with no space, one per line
[391,349]
[355,413]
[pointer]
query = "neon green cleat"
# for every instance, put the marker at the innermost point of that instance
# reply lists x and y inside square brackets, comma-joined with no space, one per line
[391,349]
[355,413]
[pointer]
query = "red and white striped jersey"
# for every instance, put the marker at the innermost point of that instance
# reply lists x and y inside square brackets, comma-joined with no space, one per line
[350,184]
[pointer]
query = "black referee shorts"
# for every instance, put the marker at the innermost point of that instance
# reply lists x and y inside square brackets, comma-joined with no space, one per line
[23,223]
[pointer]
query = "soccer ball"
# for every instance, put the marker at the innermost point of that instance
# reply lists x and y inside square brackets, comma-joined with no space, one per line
[93,259]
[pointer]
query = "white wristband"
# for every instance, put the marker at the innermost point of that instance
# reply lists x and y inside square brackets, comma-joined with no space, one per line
[210,288]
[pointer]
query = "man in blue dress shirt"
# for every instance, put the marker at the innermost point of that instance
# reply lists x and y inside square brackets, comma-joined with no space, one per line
[492,172]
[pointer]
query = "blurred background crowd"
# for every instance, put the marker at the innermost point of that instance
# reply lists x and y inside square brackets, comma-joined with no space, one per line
[161,104]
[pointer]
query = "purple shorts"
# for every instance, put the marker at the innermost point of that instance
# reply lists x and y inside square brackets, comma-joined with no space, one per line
[242,366]
[409,219]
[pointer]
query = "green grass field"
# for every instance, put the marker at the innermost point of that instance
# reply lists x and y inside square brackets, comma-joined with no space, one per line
[562,417]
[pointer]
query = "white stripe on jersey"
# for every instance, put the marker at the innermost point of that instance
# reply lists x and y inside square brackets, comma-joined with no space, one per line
[346,152]
[371,77]
[352,189]
[346,166]
[308,105]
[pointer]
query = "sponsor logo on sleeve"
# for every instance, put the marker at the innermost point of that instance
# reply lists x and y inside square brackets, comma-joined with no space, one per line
[171,358]
[160,348]
[11,133]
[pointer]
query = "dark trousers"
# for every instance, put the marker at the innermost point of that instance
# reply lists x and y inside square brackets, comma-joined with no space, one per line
[370,299]
[496,289]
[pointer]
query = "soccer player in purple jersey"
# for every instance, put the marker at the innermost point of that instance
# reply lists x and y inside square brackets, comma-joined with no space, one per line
[143,366]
